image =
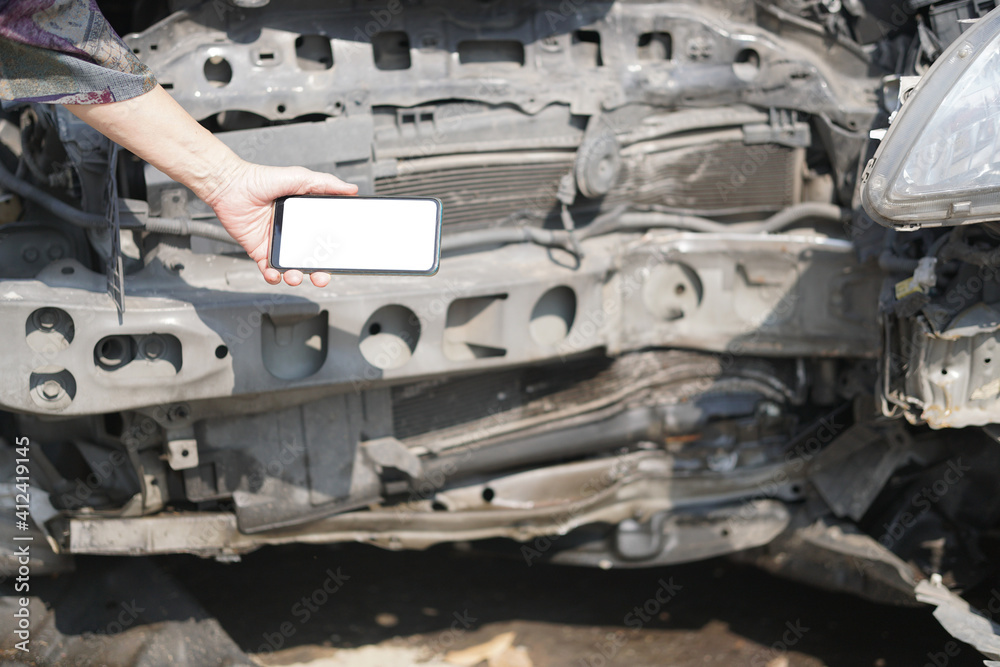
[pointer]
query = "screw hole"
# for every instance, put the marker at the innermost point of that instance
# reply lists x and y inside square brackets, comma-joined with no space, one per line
[375,328]
[944,371]
[153,348]
[488,494]
[680,289]
[221,352]
[185,453]
[281,108]
[748,57]
[218,72]
[114,352]
[112,347]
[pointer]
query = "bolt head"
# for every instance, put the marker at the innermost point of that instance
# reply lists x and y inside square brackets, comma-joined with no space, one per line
[47,319]
[51,390]
[154,347]
[178,412]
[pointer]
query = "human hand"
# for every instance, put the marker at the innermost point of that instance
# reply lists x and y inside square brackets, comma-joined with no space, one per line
[243,203]
[155,127]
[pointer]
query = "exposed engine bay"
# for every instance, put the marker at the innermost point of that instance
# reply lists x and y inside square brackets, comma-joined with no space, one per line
[663,328]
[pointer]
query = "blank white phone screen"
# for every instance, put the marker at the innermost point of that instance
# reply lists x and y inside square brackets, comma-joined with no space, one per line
[359,234]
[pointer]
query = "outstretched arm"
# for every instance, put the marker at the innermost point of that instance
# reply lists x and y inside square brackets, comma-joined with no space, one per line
[156,128]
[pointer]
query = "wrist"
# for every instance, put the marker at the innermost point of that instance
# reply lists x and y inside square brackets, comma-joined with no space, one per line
[155,128]
[211,186]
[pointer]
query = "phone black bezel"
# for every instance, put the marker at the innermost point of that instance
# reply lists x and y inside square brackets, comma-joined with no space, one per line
[276,226]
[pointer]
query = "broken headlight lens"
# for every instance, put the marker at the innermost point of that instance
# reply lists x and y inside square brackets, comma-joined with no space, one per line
[939,164]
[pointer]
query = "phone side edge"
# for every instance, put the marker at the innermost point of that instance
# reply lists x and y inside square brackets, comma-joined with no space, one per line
[273,250]
[438,231]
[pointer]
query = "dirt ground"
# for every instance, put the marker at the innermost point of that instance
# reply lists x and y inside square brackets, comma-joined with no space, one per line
[354,606]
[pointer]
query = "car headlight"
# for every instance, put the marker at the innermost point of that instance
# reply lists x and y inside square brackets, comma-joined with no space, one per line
[939,163]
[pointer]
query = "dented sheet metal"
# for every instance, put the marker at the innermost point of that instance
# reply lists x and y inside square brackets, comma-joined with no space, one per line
[960,619]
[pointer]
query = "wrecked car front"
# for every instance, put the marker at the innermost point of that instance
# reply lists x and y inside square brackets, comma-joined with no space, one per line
[663,322]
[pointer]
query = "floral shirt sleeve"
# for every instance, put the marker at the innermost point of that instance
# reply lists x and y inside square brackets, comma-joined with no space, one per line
[64,52]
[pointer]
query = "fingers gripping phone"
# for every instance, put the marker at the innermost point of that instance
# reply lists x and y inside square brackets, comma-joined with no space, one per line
[336,234]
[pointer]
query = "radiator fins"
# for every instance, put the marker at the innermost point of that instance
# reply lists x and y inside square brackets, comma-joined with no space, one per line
[719,178]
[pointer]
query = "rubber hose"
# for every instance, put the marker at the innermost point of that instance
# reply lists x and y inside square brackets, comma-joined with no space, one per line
[806,211]
[53,205]
[182,227]
[504,235]
[75,216]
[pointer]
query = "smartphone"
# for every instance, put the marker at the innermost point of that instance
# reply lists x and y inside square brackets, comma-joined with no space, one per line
[338,234]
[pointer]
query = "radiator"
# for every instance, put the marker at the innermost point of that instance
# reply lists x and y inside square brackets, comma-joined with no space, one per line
[711,178]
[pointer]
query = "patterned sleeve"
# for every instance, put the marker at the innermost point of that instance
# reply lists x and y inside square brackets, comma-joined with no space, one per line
[64,52]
